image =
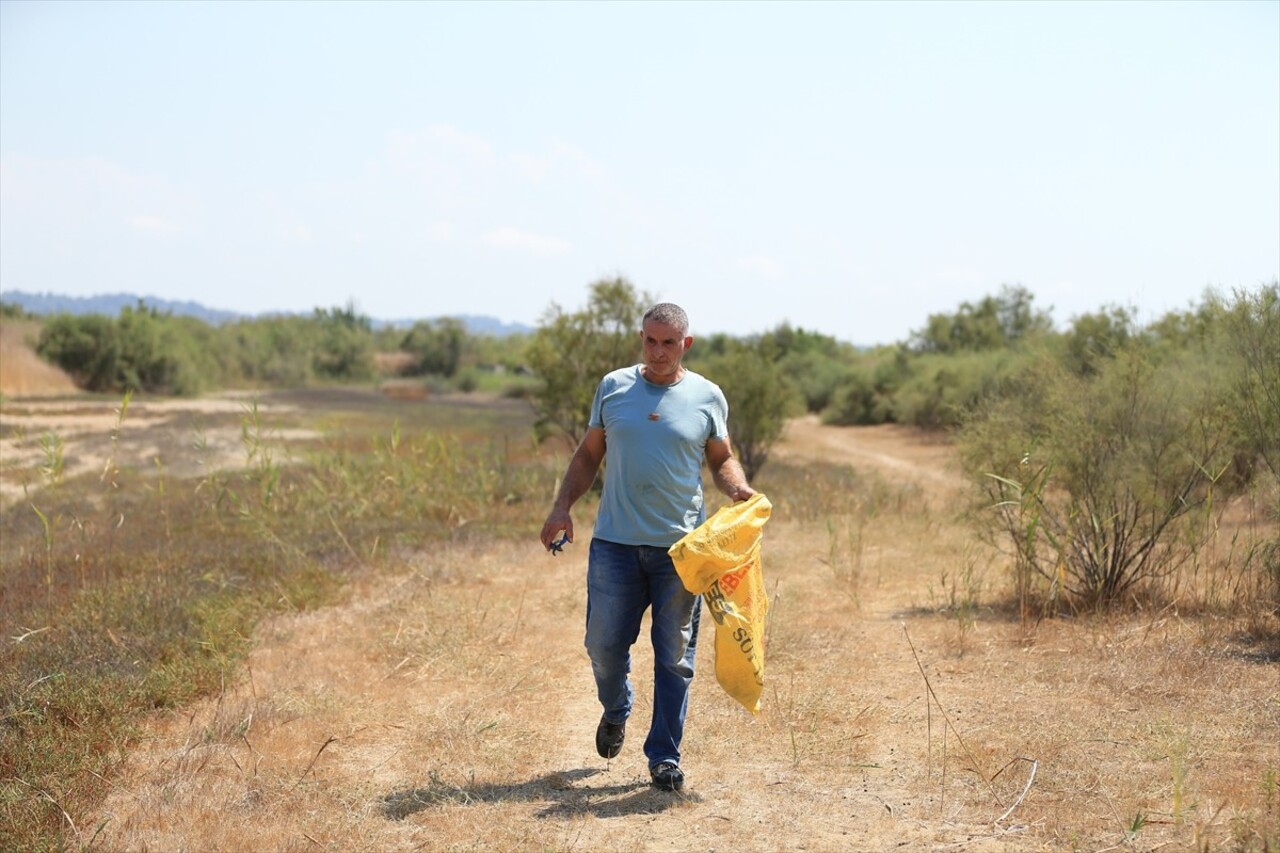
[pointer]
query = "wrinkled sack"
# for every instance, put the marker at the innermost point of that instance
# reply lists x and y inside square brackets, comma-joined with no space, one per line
[720,560]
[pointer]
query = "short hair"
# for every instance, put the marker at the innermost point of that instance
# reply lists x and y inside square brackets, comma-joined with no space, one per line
[669,314]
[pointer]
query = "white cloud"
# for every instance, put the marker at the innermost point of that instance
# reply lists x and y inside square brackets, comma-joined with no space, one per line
[762,266]
[513,239]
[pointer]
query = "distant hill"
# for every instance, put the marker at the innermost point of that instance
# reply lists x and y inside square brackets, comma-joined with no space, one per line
[482,325]
[110,304]
[475,324]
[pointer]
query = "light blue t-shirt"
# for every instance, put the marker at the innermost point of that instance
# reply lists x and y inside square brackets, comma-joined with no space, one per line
[655,440]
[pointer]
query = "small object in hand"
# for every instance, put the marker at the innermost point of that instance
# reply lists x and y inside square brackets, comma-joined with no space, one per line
[558,545]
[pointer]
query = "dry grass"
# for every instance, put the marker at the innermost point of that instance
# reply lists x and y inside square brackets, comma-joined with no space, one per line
[449,706]
[22,373]
[393,363]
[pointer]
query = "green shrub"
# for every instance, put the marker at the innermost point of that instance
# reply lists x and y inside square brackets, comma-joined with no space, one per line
[570,352]
[13,311]
[1092,481]
[761,400]
[274,351]
[940,390]
[86,347]
[859,400]
[994,322]
[436,346]
[1251,333]
[343,345]
[815,363]
[141,350]
[1095,337]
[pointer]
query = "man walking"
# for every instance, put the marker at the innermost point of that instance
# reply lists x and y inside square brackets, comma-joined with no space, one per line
[654,422]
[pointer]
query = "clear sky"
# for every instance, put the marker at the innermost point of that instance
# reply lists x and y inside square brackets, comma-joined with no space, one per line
[848,167]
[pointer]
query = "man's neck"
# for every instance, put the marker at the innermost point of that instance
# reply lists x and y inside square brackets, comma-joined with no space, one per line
[672,379]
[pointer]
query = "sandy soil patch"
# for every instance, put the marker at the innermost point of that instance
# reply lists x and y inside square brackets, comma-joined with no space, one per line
[185,437]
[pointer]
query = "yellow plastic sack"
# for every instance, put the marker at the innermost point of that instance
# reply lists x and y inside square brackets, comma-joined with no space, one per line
[720,560]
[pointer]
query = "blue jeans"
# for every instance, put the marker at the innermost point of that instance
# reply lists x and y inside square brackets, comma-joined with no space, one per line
[622,582]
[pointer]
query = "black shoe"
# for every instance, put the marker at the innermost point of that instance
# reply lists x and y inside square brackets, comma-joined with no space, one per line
[667,776]
[609,737]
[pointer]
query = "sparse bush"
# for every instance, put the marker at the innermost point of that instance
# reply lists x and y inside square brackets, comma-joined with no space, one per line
[816,376]
[141,350]
[939,391]
[436,346]
[271,351]
[815,363]
[1193,328]
[344,346]
[1091,482]
[12,311]
[1095,337]
[570,353]
[85,347]
[994,322]
[1252,334]
[859,400]
[761,400]
[164,354]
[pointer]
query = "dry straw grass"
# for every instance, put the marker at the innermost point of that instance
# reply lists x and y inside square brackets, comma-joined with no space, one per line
[446,703]
[448,706]
[22,373]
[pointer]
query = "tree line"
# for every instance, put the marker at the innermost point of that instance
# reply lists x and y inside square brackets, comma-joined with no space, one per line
[1098,452]
[149,351]
[956,365]
[1096,445]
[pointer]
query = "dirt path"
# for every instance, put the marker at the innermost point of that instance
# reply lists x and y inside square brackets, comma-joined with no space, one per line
[897,453]
[450,706]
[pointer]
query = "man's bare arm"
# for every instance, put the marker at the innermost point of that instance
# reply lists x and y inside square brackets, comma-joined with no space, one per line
[578,477]
[727,471]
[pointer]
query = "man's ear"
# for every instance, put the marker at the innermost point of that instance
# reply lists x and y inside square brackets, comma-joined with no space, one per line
[688,342]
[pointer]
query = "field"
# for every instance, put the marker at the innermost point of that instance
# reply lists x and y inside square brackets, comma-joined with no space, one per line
[440,698]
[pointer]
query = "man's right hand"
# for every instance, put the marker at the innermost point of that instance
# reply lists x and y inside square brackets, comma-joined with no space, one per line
[579,476]
[558,522]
